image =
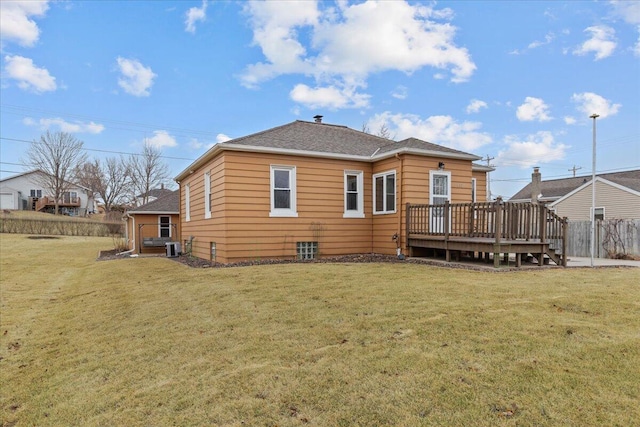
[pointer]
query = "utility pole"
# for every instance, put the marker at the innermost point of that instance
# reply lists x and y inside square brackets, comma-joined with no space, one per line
[488,160]
[574,169]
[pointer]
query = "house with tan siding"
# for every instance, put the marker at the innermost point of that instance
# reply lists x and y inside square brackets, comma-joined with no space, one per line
[310,189]
[151,226]
[617,195]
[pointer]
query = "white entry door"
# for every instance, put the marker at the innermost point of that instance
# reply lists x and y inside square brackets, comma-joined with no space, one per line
[439,193]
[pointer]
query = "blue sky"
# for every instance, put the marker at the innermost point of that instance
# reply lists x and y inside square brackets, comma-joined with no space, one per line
[516,81]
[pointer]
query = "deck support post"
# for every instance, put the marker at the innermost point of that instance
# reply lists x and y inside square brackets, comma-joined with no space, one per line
[543,231]
[565,231]
[498,233]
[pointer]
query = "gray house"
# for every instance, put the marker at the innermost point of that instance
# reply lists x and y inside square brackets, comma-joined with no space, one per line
[617,195]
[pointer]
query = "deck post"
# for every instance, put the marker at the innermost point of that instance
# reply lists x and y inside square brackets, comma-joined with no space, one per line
[447,253]
[565,231]
[543,231]
[408,220]
[498,232]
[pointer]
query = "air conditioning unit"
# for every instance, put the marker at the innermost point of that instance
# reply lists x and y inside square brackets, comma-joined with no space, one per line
[173,249]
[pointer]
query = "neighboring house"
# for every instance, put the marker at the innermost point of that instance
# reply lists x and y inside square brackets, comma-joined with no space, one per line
[25,192]
[617,195]
[153,194]
[309,189]
[151,226]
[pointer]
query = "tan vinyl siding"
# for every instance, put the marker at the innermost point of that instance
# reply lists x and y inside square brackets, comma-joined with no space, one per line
[618,203]
[241,225]
[146,225]
[481,186]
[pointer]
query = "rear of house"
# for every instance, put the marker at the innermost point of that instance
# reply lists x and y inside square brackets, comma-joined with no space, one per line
[307,190]
[150,227]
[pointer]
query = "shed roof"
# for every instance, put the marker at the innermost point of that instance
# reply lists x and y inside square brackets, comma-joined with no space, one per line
[167,203]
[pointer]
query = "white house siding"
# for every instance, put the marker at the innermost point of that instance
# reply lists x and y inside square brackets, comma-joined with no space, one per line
[20,187]
[618,203]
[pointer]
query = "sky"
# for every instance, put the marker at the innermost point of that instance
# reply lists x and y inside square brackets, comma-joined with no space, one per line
[512,81]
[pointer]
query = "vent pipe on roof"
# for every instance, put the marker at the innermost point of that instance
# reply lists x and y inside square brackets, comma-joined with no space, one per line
[536,180]
[318,118]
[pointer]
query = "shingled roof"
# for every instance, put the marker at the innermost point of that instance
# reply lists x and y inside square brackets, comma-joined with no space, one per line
[328,140]
[554,189]
[168,203]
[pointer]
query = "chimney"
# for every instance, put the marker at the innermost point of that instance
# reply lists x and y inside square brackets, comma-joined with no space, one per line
[162,186]
[318,118]
[536,180]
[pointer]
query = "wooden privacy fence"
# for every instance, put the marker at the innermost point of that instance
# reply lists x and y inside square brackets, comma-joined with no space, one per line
[614,237]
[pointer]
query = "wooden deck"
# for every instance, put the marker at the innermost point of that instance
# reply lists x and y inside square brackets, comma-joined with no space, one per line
[496,228]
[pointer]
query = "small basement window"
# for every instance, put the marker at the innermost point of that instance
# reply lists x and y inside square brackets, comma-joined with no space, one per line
[307,250]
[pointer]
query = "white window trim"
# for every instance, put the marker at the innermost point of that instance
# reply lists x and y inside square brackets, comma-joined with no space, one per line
[439,172]
[160,224]
[384,190]
[359,213]
[207,195]
[187,203]
[291,212]
[604,212]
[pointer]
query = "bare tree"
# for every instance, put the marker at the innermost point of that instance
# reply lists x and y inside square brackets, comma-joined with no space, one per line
[110,179]
[383,131]
[56,155]
[148,171]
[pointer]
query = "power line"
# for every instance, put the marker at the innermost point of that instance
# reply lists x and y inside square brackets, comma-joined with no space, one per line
[99,151]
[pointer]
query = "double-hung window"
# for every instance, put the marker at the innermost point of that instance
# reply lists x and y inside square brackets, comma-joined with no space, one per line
[207,195]
[283,191]
[353,194]
[384,192]
[164,226]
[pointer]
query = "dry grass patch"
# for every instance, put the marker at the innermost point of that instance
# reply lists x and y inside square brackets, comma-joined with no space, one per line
[149,341]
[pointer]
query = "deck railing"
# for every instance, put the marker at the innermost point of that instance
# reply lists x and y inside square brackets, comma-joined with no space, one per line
[494,220]
[65,200]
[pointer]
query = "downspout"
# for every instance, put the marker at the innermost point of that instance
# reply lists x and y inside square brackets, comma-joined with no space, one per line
[400,204]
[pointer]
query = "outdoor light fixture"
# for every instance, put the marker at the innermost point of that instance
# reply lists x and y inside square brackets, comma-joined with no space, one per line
[441,165]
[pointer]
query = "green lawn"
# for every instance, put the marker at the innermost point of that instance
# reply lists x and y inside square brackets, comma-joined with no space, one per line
[149,341]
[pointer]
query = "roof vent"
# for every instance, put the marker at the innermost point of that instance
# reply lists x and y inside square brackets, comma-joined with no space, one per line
[318,118]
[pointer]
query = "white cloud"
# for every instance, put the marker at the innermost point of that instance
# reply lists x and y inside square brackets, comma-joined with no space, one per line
[535,149]
[28,76]
[351,41]
[194,15]
[533,109]
[160,139]
[194,144]
[627,10]
[636,47]
[475,106]
[64,126]
[442,130]
[400,92]
[16,23]
[590,103]
[136,79]
[602,42]
[537,43]
[570,120]
[330,97]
